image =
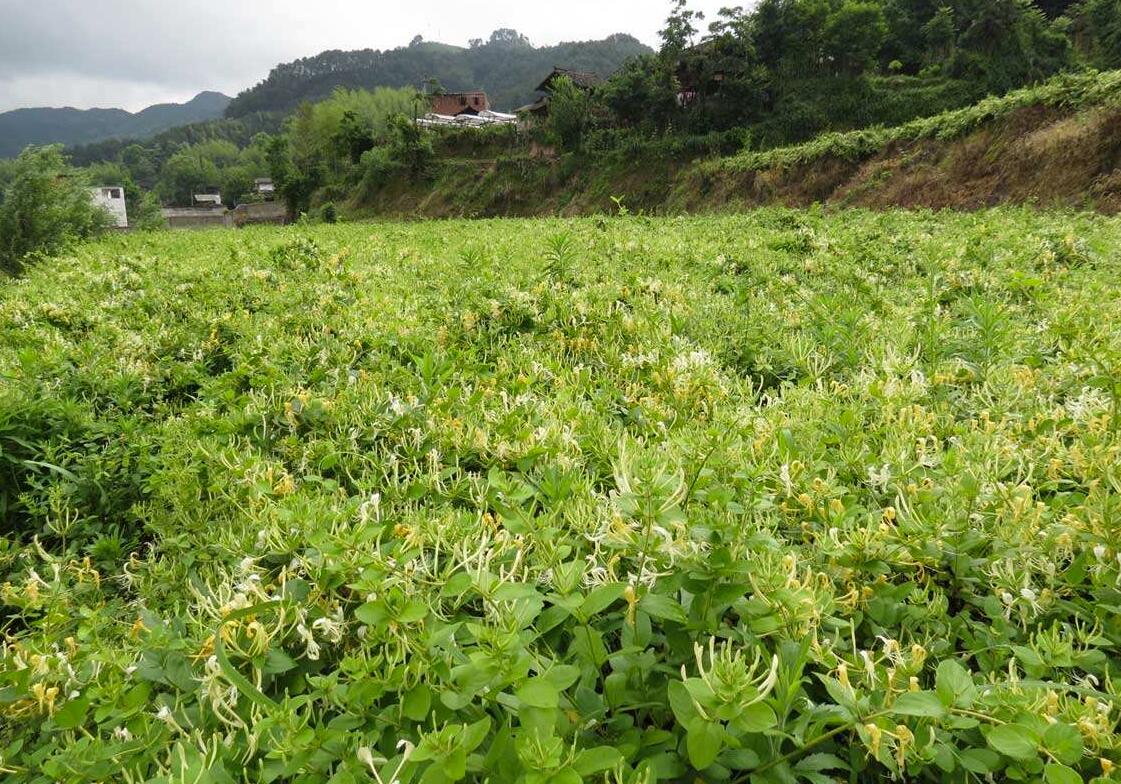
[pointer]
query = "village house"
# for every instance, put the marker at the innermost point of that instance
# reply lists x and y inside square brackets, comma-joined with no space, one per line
[584,80]
[265,188]
[697,75]
[111,198]
[455,104]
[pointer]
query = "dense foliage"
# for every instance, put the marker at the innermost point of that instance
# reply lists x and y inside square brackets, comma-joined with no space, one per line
[782,497]
[45,207]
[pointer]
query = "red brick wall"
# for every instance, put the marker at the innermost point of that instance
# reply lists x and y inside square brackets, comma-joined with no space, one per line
[456,103]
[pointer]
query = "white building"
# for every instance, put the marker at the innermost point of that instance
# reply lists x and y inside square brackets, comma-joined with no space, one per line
[112,199]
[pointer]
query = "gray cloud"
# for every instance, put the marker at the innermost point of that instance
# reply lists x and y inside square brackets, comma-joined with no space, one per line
[132,53]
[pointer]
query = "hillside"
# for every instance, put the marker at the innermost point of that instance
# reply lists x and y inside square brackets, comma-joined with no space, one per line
[1057,145]
[508,67]
[22,127]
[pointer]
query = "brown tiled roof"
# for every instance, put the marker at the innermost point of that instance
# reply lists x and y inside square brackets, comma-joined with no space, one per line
[584,79]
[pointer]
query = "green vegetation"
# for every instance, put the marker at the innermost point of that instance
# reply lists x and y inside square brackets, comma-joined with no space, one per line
[782,497]
[45,206]
[1073,91]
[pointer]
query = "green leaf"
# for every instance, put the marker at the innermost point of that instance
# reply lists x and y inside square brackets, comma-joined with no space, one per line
[955,685]
[474,734]
[1064,742]
[756,718]
[820,762]
[1061,774]
[601,598]
[371,613]
[538,693]
[980,761]
[72,714]
[740,759]
[417,702]
[919,703]
[562,676]
[703,741]
[412,612]
[278,662]
[591,761]
[1015,741]
[681,702]
[658,606]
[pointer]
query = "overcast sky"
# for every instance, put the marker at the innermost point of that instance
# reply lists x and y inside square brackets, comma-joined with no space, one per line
[133,53]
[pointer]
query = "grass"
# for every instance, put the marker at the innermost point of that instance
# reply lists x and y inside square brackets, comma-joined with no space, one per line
[1068,91]
[779,497]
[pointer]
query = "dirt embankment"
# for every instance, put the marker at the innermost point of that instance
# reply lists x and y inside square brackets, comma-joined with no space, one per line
[1036,156]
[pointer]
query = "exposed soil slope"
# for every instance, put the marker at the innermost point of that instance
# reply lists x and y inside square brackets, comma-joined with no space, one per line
[1036,156]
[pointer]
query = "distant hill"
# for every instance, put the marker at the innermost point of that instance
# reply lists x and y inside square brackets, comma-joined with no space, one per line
[507,66]
[22,127]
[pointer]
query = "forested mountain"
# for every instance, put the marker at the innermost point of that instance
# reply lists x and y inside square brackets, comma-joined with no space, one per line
[507,66]
[22,127]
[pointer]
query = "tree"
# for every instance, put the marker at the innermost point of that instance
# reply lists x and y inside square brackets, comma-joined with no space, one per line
[681,27]
[642,93]
[46,206]
[353,137]
[854,35]
[410,146]
[569,114]
[508,38]
[940,36]
[1008,43]
[1098,32]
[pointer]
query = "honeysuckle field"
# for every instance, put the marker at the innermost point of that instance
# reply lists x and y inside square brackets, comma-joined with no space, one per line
[780,497]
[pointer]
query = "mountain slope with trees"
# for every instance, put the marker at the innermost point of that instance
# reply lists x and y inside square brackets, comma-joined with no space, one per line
[23,127]
[507,66]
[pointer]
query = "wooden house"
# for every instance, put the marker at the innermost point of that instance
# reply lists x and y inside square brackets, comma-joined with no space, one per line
[584,80]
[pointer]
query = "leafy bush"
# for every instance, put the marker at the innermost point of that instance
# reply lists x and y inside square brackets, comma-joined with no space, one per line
[46,207]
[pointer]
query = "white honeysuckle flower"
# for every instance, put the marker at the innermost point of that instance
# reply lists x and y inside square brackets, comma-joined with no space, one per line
[366,757]
[328,628]
[122,733]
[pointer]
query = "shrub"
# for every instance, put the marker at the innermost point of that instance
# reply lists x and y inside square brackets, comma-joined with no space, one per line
[45,207]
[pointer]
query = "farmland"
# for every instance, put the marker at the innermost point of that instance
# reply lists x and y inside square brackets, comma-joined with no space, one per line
[777,497]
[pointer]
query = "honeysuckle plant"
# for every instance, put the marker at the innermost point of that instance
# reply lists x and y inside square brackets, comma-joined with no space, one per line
[780,497]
